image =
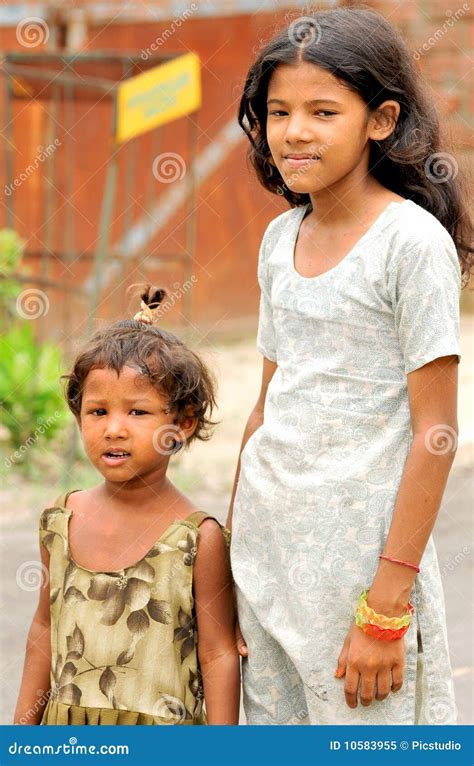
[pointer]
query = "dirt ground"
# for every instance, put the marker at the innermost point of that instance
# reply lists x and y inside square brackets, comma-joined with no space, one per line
[206,473]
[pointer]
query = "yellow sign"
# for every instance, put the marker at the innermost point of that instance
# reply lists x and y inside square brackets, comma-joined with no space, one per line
[158,96]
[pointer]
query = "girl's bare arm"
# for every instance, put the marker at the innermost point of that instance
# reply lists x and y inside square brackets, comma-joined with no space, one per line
[218,656]
[35,682]
[255,421]
[432,392]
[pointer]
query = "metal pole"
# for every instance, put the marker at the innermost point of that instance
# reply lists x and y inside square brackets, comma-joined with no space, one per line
[189,258]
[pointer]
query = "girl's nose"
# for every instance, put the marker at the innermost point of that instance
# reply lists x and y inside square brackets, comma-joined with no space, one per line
[115,426]
[298,130]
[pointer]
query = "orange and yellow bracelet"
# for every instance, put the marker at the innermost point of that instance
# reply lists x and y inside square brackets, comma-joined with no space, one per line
[378,625]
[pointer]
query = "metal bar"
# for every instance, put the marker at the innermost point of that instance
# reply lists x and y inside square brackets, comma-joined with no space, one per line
[50,176]
[33,279]
[105,219]
[69,156]
[130,151]
[189,258]
[88,56]
[52,74]
[9,165]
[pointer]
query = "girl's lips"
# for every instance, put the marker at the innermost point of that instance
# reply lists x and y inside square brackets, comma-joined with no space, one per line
[293,162]
[109,460]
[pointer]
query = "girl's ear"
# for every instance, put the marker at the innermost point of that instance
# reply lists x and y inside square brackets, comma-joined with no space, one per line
[383,120]
[187,425]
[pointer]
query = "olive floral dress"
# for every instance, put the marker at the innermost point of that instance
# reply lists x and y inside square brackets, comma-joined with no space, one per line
[124,643]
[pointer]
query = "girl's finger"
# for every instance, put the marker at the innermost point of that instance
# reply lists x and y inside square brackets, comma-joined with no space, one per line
[367,689]
[350,686]
[342,660]
[397,678]
[240,642]
[383,685]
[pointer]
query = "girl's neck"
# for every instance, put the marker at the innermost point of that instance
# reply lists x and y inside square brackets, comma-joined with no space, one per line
[138,493]
[351,202]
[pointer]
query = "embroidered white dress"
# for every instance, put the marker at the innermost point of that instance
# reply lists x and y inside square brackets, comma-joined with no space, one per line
[319,479]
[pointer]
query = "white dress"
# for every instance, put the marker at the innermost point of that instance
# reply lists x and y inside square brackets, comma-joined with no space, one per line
[319,479]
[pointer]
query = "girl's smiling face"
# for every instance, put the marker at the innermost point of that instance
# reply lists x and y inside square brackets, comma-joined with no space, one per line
[125,415]
[318,129]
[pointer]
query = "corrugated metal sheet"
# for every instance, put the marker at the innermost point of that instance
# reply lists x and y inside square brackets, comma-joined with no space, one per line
[128,11]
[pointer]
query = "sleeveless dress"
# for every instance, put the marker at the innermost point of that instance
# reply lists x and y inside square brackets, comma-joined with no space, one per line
[319,478]
[124,642]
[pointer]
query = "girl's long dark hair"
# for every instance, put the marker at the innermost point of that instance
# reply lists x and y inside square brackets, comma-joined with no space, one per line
[364,50]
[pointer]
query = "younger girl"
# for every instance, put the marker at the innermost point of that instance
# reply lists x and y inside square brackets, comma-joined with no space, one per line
[346,454]
[135,571]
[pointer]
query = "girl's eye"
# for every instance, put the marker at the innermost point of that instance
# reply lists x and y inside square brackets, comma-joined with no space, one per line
[277,113]
[324,111]
[101,410]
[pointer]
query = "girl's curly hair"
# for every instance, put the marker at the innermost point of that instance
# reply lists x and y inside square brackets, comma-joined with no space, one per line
[171,367]
[364,50]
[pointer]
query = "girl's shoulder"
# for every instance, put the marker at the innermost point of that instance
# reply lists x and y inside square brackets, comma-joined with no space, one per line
[414,232]
[207,527]
[278,225]
[418,226]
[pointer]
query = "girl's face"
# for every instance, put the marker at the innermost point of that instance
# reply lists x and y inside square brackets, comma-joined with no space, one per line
[125,416]
[317,128]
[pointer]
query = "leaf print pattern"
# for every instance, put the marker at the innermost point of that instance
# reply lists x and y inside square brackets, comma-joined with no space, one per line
[189,548]
[108,627]
[185,633]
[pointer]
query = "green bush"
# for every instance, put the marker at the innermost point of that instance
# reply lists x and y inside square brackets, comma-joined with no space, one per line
[31,401]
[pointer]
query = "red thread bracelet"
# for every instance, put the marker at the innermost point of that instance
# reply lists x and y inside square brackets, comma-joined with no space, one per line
[399,561]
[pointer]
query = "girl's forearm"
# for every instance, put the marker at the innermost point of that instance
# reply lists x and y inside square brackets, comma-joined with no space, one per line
[221,680]
[421,490]
[255,421]
[35,683]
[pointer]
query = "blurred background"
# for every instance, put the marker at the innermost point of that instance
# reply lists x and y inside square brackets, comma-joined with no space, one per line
[99,190]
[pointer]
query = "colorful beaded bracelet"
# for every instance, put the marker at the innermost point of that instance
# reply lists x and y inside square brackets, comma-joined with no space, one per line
[384,635]
[365,615]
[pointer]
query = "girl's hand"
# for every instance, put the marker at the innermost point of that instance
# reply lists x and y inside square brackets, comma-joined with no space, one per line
[240,641]
[373,666]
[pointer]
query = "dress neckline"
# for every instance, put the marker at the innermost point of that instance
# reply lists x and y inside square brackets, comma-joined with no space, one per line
[350,254]
[71,558]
